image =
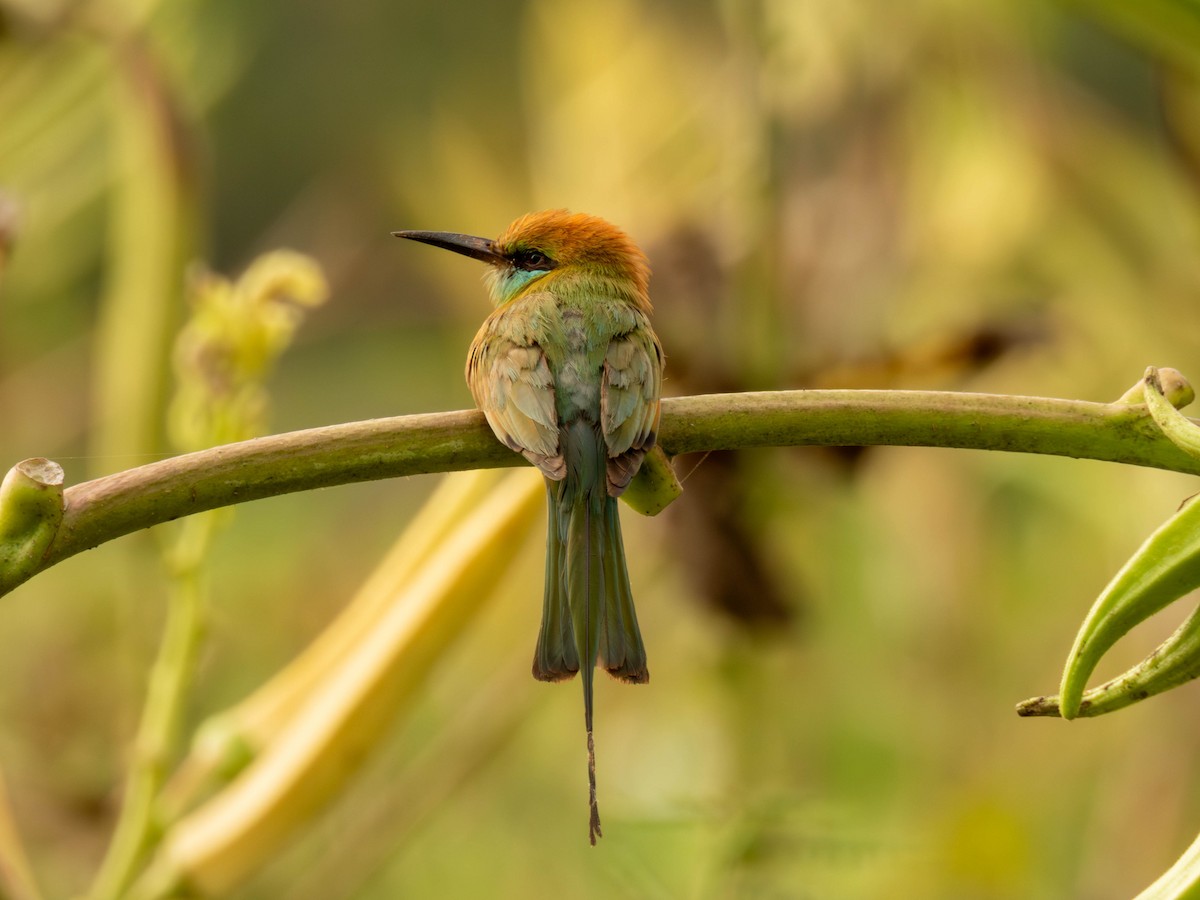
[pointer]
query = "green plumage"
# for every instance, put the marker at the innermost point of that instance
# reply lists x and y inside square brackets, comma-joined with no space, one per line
[585,560]
[569,373]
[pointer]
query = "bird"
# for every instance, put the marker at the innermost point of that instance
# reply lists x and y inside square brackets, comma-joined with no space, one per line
[568,372]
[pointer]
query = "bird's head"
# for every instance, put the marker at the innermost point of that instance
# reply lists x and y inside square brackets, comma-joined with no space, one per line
[552,246]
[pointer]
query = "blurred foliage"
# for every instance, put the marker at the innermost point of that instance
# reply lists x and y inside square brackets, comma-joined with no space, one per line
[230,344]
[845,192]
[224,352]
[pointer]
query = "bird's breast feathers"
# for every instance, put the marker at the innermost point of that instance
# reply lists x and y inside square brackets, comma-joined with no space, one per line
[539,362]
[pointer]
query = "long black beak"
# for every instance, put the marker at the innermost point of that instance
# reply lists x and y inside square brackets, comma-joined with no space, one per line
[475,247]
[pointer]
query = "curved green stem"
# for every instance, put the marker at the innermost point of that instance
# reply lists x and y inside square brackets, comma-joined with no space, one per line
[1180,881]
[106,508]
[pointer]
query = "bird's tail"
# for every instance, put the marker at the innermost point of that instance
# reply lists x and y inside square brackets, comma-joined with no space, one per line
[588,616]
[620,650]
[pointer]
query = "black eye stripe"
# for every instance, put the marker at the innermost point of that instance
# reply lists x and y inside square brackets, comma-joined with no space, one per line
[531,260]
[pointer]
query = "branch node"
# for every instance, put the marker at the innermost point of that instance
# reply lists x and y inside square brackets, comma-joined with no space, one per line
[31,509]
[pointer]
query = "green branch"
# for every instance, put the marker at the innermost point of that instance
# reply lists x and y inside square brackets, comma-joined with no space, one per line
[100,510]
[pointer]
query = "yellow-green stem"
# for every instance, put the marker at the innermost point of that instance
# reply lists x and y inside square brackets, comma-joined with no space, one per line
[139,827]
[106,508]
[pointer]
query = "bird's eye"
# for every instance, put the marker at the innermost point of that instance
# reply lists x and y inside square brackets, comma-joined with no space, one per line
[531,260]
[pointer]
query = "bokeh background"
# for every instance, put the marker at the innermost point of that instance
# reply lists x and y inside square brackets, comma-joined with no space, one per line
[995,196]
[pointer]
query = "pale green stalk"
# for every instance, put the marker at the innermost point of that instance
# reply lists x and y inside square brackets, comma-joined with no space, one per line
[151,241]
[222,355]
[316,748]
[228,742]
[1181,881]
[140,825]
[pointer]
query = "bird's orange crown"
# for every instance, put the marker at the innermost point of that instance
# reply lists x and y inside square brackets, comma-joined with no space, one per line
[579,243]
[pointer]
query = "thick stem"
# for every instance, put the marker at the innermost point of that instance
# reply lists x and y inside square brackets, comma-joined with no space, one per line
[106,508]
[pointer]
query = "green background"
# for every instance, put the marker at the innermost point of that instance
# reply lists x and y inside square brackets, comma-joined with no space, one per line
[996,196]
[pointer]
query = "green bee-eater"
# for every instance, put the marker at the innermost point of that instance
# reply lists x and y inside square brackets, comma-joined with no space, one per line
[569,373]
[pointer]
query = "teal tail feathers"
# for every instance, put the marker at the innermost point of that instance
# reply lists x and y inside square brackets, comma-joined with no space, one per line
[588,617]
[619,650]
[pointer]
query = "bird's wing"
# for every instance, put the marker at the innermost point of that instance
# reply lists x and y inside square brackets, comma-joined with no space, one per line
[511,382]
[629,401]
